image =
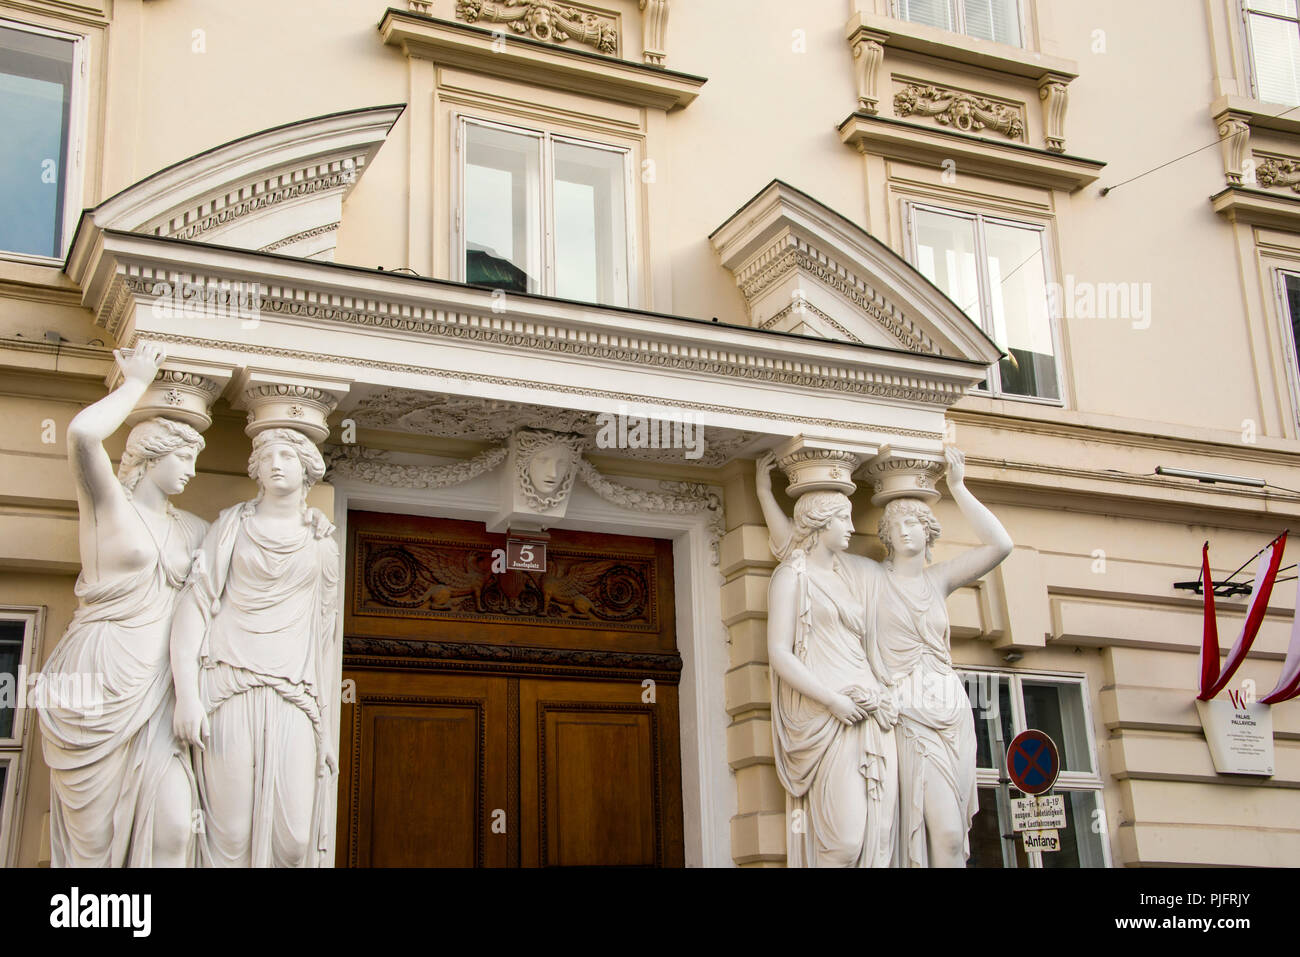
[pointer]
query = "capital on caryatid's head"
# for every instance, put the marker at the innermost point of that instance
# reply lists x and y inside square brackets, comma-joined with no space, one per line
[895,474]
[276,400]
[182,391]
[813,465]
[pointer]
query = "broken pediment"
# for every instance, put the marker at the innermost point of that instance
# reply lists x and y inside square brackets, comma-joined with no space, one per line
[803,268]
[280,190]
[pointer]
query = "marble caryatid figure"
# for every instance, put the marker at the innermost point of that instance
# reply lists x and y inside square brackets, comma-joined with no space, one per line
[898,610]
[252,655]
[832,718]
[121,788]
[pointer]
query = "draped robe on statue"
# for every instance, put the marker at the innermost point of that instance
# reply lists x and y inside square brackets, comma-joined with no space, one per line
[841,781]
[108,757]
[936,739]
[269,608]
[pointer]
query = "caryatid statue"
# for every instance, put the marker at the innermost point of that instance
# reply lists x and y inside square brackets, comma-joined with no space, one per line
[253,656]
[898,616]
[121,787]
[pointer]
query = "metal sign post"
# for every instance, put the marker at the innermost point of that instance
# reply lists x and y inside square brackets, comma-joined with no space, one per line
[1034,763]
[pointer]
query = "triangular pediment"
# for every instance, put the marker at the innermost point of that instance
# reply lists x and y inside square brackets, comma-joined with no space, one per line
[804,268]
[280,190]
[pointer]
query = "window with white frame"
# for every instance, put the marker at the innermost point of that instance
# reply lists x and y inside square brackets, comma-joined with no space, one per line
[995,270]
[1273,36]
[39,95]
[1003,705]
[1288,287]
[996,20]
[18,630]
[544,213]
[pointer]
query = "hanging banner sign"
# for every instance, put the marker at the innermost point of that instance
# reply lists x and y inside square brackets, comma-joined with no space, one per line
[1240,735]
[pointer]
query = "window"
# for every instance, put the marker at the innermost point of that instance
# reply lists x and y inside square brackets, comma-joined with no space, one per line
[1289,289]
[38,150]
[545,213]
[1002,706]
[1273,34]
[18,631]
[995,271]
[996,20]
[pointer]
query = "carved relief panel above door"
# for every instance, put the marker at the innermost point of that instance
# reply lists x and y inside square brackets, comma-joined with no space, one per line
[432,581]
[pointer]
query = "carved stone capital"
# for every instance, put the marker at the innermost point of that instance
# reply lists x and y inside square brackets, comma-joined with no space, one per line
[813,466]
[1234,140]
[654,31]
[868,54]
[1054,91]
[277,400]
[183,391]
[903,475]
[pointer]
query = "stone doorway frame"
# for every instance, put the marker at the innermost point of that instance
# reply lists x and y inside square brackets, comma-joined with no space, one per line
[708,784]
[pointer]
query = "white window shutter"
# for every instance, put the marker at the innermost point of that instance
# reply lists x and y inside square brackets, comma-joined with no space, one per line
[996,20]
[935,13]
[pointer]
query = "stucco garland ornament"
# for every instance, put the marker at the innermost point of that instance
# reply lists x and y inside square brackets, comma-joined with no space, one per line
[544,21]
[677,498]
[961,110]
[369,465]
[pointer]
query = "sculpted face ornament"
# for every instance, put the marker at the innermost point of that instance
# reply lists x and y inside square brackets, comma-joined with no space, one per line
[546,465]
[549,467]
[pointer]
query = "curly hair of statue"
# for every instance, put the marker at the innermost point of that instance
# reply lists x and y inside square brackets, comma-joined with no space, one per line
[903,508]
[812,512]
[149,441]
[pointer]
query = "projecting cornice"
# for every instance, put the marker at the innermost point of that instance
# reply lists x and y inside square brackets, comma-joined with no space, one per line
[802,267]
[280,190]
[236,308]
[933,146]
[531,61]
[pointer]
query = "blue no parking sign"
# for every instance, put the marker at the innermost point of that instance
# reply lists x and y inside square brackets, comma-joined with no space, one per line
[1033,762]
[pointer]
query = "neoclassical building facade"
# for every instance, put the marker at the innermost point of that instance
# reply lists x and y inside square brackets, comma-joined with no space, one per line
[554,276]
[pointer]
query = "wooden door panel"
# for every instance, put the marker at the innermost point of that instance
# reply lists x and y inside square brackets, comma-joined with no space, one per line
[597,782]
[599,774]
[513,700]
[425,772]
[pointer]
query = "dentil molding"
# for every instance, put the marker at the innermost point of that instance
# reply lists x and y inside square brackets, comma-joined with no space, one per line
[279,190]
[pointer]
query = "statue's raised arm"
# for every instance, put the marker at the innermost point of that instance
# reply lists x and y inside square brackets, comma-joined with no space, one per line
[995,544]
[121,789]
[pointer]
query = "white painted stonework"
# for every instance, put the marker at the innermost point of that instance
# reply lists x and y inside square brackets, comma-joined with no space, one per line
[872,728]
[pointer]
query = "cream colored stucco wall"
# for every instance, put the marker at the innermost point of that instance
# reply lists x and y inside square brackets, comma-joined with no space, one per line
[1066,480]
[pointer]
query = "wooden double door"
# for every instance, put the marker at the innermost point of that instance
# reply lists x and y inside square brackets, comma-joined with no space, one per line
[507,719]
